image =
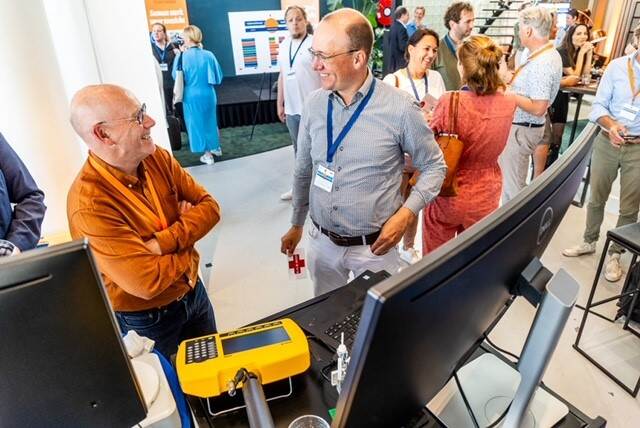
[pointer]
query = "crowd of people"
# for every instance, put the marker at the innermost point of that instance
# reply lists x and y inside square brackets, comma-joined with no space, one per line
[367,158]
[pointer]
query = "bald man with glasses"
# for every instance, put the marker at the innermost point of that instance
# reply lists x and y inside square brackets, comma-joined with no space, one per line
[142,214]
[354,132]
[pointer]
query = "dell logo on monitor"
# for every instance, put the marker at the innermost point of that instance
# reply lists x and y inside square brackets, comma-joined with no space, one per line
[545,224]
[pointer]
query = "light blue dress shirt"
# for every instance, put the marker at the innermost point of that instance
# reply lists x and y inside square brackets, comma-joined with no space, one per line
[614,92]
[368,164]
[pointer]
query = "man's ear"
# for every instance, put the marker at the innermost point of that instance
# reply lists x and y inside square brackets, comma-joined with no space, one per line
[360,59]
[100,134]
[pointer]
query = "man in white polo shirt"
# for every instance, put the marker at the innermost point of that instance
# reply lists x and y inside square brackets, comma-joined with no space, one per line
[297,78]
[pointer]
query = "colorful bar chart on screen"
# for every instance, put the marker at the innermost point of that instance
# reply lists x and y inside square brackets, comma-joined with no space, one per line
[255,39]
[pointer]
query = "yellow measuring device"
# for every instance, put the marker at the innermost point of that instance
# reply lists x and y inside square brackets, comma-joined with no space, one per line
[275,350]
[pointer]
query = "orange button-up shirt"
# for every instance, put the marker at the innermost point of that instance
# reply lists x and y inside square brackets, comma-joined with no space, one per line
[135,278]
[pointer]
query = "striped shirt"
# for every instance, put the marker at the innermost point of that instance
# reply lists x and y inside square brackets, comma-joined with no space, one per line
[368,164]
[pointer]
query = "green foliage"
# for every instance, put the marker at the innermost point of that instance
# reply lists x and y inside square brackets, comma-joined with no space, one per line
[369,9]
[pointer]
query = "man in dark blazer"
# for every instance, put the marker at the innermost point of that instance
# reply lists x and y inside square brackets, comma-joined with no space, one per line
[398,39]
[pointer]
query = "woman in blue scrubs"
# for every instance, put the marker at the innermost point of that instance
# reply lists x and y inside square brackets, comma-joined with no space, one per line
[201,72]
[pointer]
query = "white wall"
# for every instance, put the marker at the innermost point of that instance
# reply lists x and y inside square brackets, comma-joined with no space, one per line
[34,109]
[52,48]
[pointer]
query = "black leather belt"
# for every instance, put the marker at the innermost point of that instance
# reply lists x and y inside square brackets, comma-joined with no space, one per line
[529,125]
[347,241]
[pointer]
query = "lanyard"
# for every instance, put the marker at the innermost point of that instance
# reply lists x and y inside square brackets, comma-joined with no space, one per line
[413,85]
[332,146]
[158,221]
[531,58]
[291,59]
[450,44]
[162,53]
[632,81]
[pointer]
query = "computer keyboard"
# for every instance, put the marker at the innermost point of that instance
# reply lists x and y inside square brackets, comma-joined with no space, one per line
[348,325]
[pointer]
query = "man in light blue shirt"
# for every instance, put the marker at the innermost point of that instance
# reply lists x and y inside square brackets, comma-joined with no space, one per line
[354,132]
[617,148]
[416,24]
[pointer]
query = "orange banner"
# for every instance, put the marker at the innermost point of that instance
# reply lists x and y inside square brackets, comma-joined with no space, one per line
[171,13]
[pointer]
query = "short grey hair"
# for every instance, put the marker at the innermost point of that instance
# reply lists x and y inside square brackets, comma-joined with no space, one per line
[538,18]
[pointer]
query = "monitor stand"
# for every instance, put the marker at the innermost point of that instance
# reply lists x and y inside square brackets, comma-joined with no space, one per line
[490,384]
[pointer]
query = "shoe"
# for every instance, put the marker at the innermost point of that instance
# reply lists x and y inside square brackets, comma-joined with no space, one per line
[580,250]
[207,158]
[286,196]
[217,152]
[613,270]
[409,255]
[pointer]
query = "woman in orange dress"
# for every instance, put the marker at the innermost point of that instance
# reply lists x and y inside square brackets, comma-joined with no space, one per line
[485,114]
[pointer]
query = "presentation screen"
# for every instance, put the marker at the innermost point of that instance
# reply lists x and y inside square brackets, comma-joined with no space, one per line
[255,38]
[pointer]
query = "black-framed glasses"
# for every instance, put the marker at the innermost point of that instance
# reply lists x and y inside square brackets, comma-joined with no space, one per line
[324,58]
[139,117]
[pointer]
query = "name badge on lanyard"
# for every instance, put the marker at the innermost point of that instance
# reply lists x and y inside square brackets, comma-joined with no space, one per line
[629,112]
[164,67]
[324,175]
[324,178]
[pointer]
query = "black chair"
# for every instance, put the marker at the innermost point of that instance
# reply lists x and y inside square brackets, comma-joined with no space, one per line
[628,237]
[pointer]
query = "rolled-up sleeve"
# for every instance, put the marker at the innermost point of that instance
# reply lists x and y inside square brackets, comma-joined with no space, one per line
[426,156]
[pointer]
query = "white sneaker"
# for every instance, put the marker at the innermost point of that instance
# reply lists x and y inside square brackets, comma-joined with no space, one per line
[613,270]
[207,158]
[580,250]
[286,196]
[217,152]
[409,255]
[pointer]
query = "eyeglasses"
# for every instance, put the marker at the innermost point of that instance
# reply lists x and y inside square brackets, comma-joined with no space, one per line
[139,117]
[324,58]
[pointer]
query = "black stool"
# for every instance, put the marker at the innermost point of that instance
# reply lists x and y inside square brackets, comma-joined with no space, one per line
[628,237]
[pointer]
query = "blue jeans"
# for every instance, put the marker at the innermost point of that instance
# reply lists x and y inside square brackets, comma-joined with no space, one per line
[192,316]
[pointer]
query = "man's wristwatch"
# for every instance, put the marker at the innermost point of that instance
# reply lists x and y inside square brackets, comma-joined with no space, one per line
[7,248]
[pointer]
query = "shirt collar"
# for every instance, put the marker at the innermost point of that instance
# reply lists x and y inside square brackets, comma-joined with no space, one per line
[121,176]
[360,93]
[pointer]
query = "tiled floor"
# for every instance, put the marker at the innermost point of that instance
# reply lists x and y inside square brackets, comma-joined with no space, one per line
[248,279]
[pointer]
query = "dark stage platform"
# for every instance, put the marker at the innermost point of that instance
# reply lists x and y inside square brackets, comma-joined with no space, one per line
[238,100]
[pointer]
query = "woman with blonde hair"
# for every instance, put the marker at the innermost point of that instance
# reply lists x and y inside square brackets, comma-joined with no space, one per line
[201,72]
[483,123]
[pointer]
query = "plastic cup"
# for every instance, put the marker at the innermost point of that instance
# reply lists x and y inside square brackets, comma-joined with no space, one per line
[586,79]
[309,421]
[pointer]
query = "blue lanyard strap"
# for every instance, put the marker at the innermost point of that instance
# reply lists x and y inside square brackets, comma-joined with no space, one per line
[332,146]
[413,85]
[162,53]
[450,44]
[291,59]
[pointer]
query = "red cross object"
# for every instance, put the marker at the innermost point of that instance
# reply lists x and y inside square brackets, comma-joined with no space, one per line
[296,264]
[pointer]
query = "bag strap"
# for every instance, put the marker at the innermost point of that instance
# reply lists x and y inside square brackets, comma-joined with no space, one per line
[453,113]
[456,102]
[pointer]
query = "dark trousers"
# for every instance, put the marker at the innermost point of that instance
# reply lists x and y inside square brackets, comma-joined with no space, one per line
[192,316]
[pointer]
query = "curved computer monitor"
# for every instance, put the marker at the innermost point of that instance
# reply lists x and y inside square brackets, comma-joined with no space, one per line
[421,324]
